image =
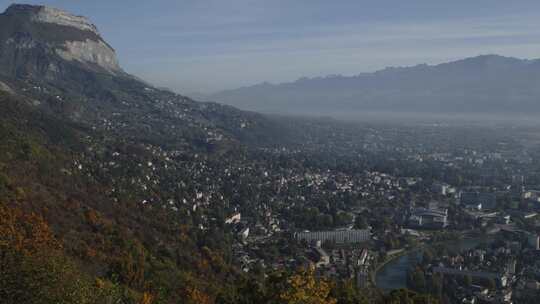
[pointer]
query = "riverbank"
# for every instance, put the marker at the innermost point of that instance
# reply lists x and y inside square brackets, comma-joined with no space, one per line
[394,268]
[393,257]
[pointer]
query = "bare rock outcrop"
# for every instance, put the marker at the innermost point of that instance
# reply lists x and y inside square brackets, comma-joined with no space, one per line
[52,38]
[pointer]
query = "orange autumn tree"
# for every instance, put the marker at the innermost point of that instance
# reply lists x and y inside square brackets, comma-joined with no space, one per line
[27,234]
[33,267]
[194,295]
[304,288]
[147,298]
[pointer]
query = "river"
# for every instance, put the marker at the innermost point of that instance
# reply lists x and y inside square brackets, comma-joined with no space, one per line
[393,275]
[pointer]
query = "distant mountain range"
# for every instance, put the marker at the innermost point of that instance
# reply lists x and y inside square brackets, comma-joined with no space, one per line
[487,84]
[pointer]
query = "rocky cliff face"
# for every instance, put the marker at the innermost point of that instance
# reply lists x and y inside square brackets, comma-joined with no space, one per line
[38,41]
[51,15]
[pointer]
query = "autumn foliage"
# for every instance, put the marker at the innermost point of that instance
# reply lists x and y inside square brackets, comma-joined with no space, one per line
[27,234]
[33,267]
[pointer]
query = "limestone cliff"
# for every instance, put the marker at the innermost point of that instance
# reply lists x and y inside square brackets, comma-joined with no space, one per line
[52,44]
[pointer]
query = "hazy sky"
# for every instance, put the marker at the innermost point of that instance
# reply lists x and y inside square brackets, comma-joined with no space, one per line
[209,45]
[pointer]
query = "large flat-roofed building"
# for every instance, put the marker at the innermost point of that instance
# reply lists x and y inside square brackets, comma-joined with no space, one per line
[338,236]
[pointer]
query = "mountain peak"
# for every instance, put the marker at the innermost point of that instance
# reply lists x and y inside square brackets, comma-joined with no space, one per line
[487,61]
[41,42]
[45,14]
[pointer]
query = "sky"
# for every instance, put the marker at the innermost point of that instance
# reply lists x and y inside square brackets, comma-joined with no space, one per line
[203,46]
